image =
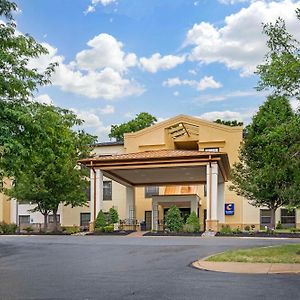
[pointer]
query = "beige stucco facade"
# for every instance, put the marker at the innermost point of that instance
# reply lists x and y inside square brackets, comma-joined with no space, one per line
[179,133]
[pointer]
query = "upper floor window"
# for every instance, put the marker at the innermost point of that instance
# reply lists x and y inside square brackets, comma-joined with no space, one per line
[151,190]
[212,149]
[107,190]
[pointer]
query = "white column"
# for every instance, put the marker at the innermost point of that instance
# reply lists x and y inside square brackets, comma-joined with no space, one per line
[194,205]
[96,192]
[221,202]
[14,214]
[130,203]
[154,215]
[212,191]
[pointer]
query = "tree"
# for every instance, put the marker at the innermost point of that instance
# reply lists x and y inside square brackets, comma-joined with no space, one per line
[193,221]
[100,222]
[17,80]
[229,123]
[173,221]
[280,71]
[113,216]
[141,121]
[266,174]
[47,173]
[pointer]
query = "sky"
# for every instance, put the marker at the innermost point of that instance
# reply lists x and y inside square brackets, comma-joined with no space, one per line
[118,58]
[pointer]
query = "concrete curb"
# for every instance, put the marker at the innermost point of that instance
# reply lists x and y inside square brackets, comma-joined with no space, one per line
[247,268]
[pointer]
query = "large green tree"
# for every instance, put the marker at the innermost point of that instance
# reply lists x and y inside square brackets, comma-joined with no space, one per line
[280,72]
[47,174]
[232,123]
[141,121]
[266,174]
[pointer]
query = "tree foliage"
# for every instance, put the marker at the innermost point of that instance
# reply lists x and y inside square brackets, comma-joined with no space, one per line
[100,222]
[281,70]
[46,172]
[173,221]
[141,121]
[113,216]
[267,173]
[229,123]
[17,80]
[193,221]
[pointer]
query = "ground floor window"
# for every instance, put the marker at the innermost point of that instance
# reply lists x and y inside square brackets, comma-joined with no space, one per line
[24,219]
[265,218]
[288,217]
[85,219]
[51,218]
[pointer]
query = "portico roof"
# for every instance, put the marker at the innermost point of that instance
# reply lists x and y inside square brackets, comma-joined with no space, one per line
[159,166]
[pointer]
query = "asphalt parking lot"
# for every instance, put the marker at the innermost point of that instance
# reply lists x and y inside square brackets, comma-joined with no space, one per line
[94,267]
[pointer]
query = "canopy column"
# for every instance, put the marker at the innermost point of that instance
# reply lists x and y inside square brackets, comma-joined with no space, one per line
[154,215]
[96,192]
[212,197]
[130,204]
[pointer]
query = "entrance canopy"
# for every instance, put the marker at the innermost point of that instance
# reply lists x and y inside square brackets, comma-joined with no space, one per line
[160,167]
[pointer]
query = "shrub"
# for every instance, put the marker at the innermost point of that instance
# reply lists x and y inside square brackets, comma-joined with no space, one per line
[8,228]
[188,228]
[113,216]
[193,221]
[279,225]
[72,229]
[101,220]
[28,229]
[236,230]
[174,221]
[247,228]
[108,228]
[294,230]
[226,230]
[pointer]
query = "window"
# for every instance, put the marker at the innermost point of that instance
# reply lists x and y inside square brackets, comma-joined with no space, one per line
[288,217]
[51,219]
[211,149]
[107,190]
[205,190]
[265,217]
[151,190]
[85,219]
[24,219]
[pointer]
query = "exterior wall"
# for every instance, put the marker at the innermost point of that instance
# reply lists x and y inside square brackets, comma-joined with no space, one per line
[5,210]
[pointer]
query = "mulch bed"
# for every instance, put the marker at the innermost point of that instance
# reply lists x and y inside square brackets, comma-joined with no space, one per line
[121,232]
[162,233]
[261,234]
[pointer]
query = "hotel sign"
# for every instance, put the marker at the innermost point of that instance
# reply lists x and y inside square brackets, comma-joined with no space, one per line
[229,209]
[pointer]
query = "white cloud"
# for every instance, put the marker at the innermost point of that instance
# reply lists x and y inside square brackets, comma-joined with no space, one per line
[92,7]
[176,93]
[233,1]
[229,115]
[193,72]
[43,98]
[157,62]
[108,109]
[240,44]
[105,51]
[205,83]
[222,97]
[76,77]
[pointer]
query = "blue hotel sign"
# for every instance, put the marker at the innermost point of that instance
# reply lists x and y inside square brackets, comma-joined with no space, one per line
[229,209]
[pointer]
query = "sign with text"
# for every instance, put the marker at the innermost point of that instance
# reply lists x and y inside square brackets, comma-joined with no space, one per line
[229,209]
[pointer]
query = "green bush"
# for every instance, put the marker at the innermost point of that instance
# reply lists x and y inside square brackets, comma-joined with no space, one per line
[101,220]
[108,228]
[236,230]
[279,225]
[28,229]
[113,216]
[188,228]
[72,229]
[226,230]
[8,228]
[174,221]
[247,228]
[294,230]
[193,221]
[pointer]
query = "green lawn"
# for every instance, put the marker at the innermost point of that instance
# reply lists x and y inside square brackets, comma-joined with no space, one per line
[274,254]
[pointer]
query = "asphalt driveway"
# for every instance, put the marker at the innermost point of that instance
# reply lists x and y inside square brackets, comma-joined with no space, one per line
[93,267]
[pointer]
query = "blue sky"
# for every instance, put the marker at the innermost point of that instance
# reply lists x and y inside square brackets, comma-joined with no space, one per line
[170,57]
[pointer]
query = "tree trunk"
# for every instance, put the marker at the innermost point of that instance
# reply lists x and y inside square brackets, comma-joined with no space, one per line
[272,223]
[55,229]
[45,222]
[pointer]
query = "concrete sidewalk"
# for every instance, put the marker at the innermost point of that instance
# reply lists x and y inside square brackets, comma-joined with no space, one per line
[247,268]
